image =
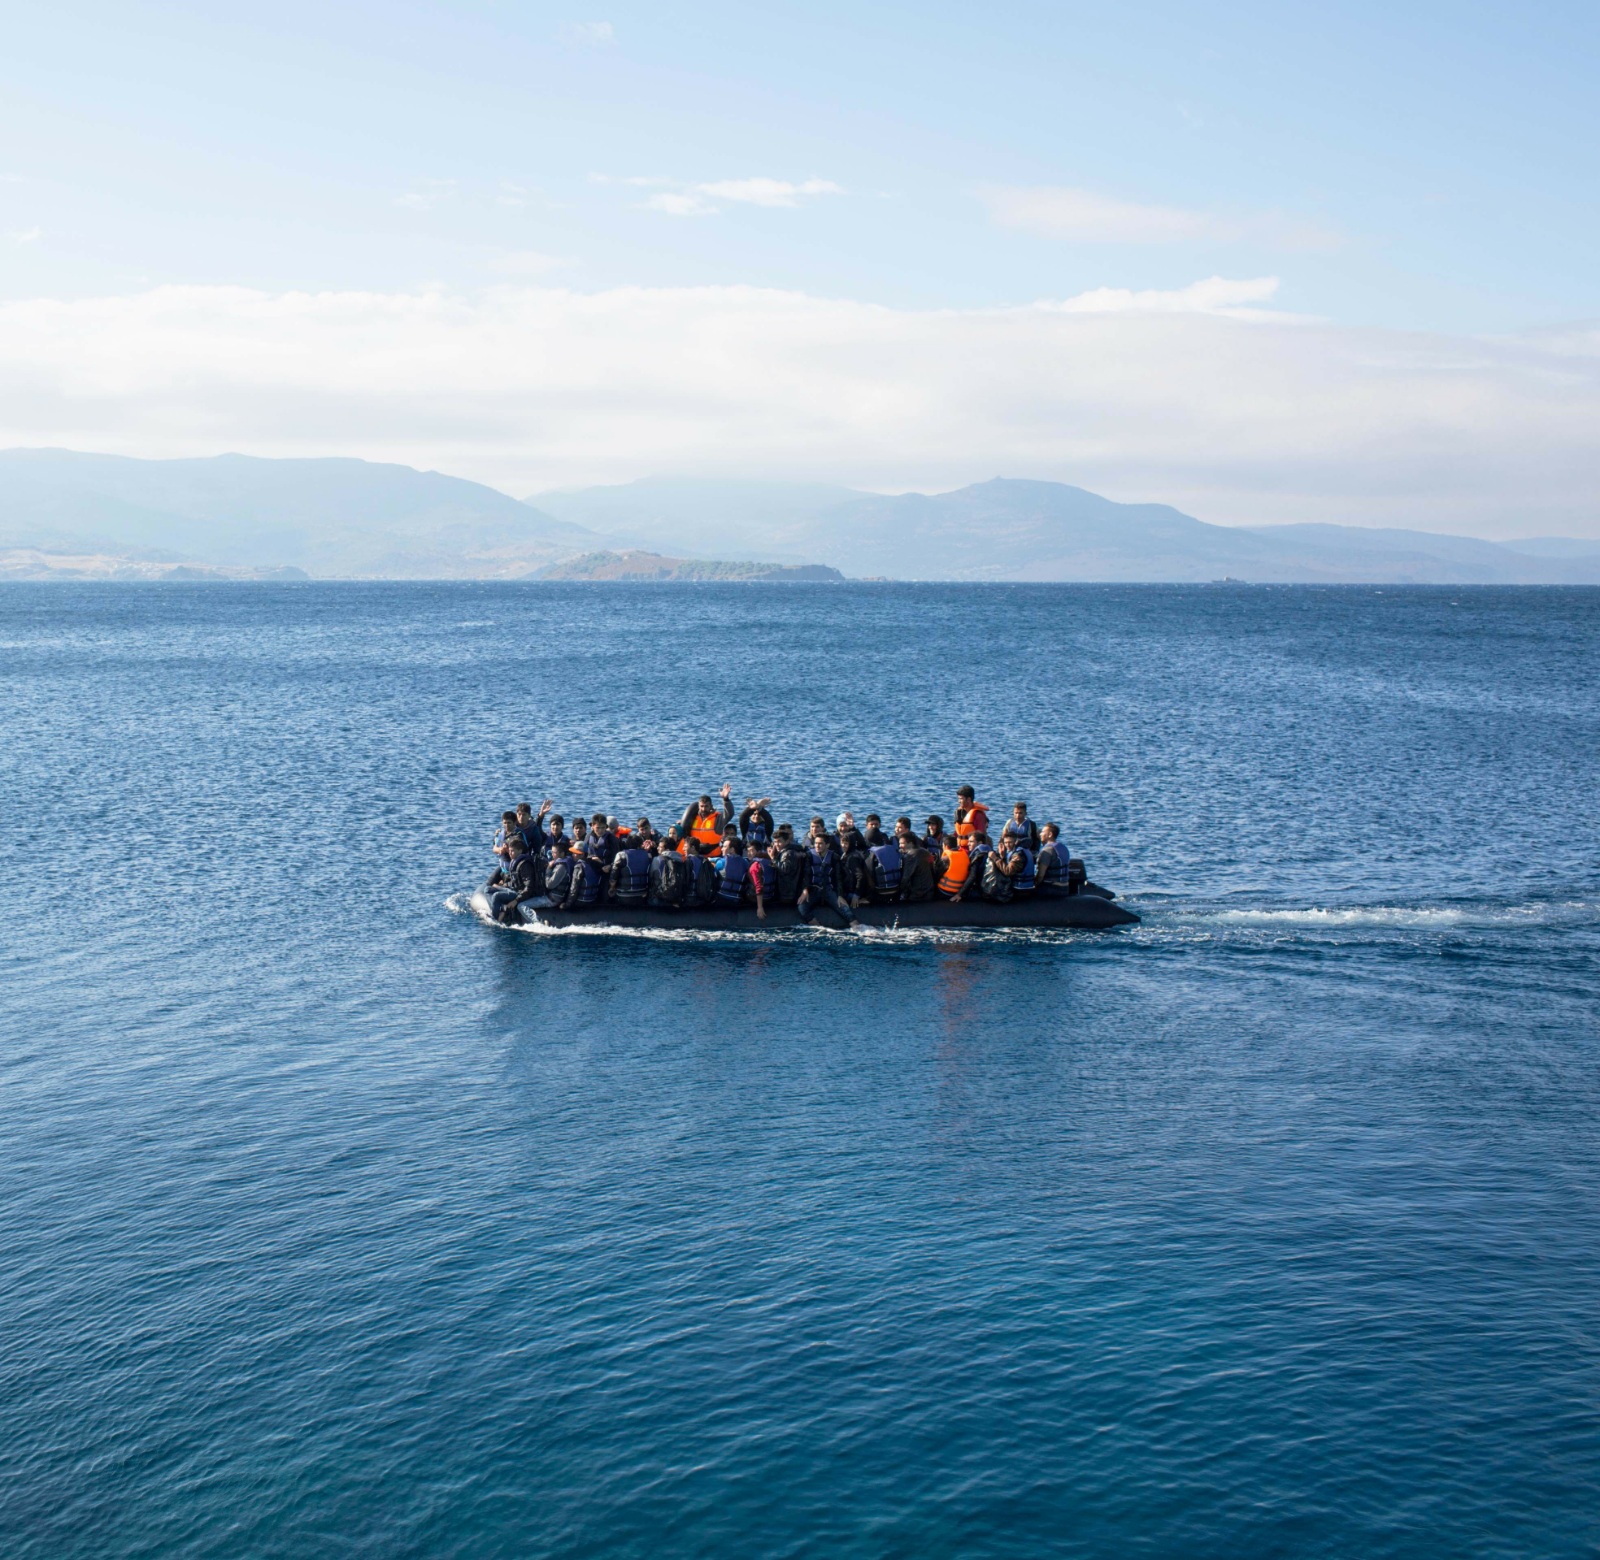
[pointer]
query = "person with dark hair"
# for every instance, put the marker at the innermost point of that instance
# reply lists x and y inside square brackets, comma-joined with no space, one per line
[630,874]
[558,873]
[956,871]
[502,845]
[1021,828]
[872,831]
[972,817]
[755,822]
[917,875]
[735,874]
[933,837]
[760,886]
[1053,864]
[705,821]
[883,862]
[790,866]
[531,824]
[524,879]
[823,879]
[703,881]
[669,880]
[600,844]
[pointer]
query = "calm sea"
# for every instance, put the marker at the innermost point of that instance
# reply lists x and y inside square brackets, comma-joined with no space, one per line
[333,1222]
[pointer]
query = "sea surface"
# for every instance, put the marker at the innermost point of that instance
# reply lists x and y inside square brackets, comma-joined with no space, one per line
[336,1222]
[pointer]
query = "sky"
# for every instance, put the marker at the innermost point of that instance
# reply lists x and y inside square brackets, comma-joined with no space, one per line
[1270,263]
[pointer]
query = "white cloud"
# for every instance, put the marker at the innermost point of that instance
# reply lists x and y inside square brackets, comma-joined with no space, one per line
[588,35]
[27,236]
[676,204]
[1086,217]
[680,198]
[1194,396]
[767,192]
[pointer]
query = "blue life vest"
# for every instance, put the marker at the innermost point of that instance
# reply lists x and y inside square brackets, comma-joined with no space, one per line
[1024,881]
[889,863]
[822,864]
[1053,859]
[756,831]
[634,883]
[591,885]
[735,869]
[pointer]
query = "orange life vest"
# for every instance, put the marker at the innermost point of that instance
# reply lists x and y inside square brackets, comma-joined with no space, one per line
[707,828]
[957,869]
[975,821]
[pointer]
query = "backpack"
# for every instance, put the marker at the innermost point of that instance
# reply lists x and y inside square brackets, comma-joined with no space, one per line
[996,886]
[670,879]
[704,885]
[791,874]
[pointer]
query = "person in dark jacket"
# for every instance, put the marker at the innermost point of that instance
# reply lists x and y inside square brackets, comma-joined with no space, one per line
[917,875]
[703,879]
[530,824]
[790,866]
[823,878]
[933,836]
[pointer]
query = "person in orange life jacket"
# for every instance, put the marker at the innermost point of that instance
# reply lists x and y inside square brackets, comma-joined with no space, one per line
[755,822]
[705,822]
[972,818]
[761,882]
[630,874]
[916,865]
[1053,864]
[823,877]
[1020,827]
[955,867]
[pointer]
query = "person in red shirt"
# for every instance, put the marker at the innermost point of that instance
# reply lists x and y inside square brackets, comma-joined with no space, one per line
[972,817]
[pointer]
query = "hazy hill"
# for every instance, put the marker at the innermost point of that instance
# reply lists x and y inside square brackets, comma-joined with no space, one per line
[642,567]
[328,517]
[1046,531]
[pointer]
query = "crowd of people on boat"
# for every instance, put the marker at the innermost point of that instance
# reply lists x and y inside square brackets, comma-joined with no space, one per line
[714,858]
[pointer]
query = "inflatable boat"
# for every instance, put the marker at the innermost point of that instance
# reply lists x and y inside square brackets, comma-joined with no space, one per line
[1093,908]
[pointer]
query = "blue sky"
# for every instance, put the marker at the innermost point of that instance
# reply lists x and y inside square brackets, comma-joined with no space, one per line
[1427,171]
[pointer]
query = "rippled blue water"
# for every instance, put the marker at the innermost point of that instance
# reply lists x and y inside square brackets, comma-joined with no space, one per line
[335,1222]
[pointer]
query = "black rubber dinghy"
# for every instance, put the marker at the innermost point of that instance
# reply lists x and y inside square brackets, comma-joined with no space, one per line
[1088,909]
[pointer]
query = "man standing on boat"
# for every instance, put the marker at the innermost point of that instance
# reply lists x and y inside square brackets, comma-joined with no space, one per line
[972,817]
[704,822]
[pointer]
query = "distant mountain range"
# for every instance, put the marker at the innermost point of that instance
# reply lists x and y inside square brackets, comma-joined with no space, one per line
[1014,530]
[649,567]
[64,514]
[327,517]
